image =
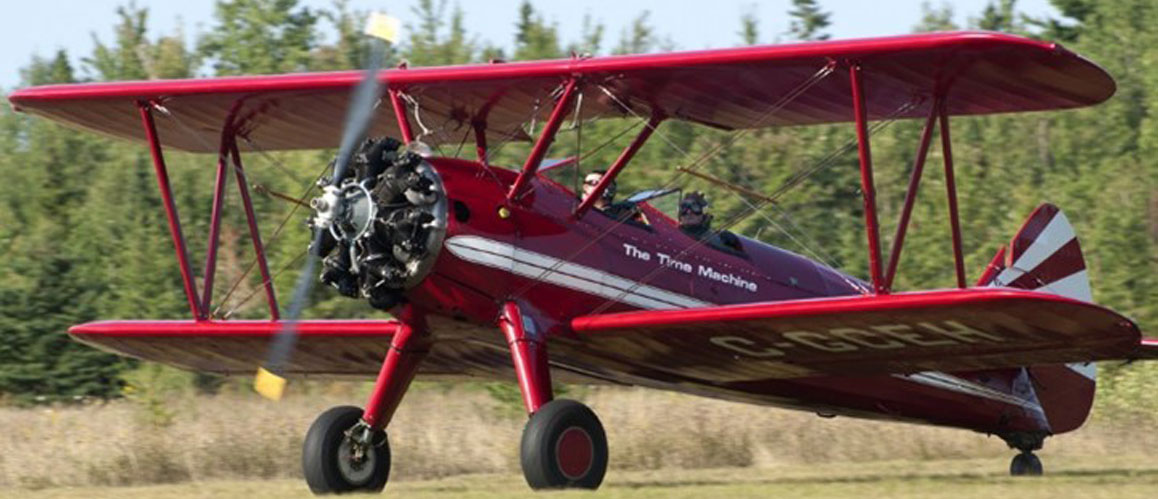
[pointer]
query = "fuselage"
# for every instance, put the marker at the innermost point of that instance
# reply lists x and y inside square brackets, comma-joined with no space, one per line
[558,266]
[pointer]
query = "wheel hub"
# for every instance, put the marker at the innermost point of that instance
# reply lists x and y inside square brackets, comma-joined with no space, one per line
[356,462]
[575,453]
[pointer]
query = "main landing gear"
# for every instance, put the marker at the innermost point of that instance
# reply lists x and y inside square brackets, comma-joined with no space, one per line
[1025,463]
[346,449]
[343,454]
[563,445]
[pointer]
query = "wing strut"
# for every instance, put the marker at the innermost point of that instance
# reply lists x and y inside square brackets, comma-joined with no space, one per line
[170,207]
[200,304]
[228,136]
[545,139]
[951,194]
[620,162]
[866,179]
[911,196]
[254,232]
[400,114]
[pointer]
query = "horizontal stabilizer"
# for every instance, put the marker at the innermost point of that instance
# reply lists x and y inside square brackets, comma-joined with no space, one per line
[1147,350]
[951,330]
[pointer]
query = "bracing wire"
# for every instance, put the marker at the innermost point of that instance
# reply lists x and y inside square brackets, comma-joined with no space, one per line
[756,207]
[799,90]
[224,158]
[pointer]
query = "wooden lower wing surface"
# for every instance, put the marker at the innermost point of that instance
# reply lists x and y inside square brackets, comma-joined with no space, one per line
[952,330]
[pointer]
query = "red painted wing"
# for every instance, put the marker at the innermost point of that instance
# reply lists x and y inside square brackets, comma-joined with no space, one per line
[238,347]
[929,331]
[730,88]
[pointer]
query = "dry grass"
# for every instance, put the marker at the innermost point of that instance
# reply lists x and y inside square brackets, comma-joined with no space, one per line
[440,433]
[1087,477]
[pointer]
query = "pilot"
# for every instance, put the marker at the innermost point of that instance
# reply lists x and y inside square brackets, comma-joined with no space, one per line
[695,221]
[590,181]
[606,201]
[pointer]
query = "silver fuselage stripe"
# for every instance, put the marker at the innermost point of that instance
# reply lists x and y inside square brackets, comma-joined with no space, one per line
[596,282]
[589,280]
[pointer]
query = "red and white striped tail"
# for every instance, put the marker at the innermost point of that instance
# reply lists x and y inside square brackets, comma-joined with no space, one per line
[1044,256]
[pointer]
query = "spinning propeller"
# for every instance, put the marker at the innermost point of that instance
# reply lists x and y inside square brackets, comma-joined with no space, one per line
[270,381]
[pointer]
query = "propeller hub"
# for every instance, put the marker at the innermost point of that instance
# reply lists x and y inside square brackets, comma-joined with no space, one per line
[326,207]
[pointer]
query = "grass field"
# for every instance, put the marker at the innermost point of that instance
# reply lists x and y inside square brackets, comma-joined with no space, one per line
[1102,477]
[459,441]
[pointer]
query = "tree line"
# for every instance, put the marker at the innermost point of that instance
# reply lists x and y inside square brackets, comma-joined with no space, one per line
[83,233]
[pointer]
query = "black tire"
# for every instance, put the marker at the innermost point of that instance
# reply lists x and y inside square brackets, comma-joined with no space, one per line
[564,446]
[325,460]
[1025,464]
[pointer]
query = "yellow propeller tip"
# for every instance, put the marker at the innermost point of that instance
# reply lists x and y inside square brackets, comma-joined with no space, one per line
[268,384]
[383,26]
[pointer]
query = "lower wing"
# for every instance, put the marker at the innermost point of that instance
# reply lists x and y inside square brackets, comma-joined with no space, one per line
[238,347]
[951,330]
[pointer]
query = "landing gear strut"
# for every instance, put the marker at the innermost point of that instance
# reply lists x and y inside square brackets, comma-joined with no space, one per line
[346,449]
[564,445]
[1026,463]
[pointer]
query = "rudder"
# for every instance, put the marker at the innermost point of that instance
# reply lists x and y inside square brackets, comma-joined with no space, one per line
[1045,256]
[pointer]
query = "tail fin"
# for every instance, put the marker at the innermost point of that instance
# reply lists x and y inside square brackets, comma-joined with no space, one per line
[1044,256]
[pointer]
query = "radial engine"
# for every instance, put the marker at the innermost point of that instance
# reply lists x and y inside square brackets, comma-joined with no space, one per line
[383,223]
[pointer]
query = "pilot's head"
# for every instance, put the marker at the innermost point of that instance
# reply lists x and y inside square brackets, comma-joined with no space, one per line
[590,181]
[693,214]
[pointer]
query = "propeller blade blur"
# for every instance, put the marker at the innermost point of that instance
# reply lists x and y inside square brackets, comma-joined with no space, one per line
[270,381]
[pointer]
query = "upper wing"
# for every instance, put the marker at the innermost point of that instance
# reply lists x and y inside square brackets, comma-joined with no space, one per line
[731,88]
[973,329]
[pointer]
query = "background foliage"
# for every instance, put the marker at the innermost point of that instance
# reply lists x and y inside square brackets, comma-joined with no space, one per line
[83,234]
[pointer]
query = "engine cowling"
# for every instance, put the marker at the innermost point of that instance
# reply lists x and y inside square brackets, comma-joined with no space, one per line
[384,223]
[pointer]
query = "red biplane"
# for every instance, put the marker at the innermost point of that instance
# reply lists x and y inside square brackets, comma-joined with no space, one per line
[486,267]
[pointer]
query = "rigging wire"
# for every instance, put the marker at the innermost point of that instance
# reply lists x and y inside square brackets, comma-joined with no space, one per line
[827,259]
[755,208]
[272,239]
[273,277]
[224,159]
[461,143]
[799,90]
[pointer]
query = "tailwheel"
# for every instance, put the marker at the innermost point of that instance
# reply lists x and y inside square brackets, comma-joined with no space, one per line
[1025,464]
[564,446]
[342,454]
